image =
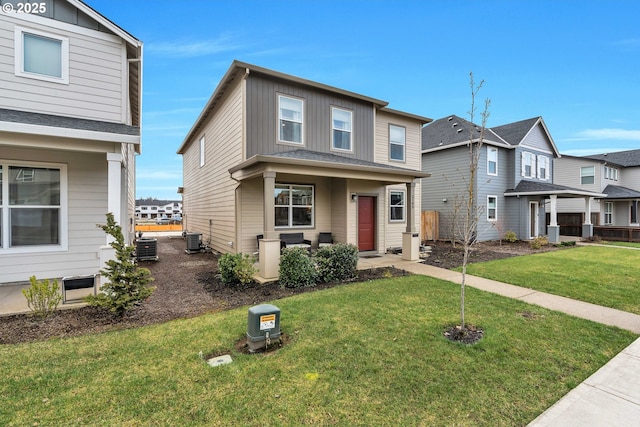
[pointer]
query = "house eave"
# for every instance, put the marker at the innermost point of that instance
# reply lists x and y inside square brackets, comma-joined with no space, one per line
[60,132]
[559,193]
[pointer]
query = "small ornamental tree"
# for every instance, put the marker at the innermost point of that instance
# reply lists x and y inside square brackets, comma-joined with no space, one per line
[127,284]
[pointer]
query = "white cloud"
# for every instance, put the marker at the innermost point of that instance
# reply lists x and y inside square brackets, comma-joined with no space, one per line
[606,134]
[224,43]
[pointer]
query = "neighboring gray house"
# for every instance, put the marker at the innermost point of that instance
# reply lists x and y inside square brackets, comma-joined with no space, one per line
[514,187]
[69,132]
[616,174]
[273,153]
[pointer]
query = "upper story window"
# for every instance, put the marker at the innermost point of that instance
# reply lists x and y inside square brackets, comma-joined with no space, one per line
[202,147]
[341,129]
[293,205]
[397,143]
[290,119]
[492,161]
[396,206]
[527,164]
[41,55]
[610,173]
[543,167]
[32,204]
[587,175]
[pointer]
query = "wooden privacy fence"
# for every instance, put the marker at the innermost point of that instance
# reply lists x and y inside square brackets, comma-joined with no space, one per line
[429,225]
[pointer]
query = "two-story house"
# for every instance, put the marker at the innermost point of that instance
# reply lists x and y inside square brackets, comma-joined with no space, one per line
[273,153]
[616,175]
[513,188]
[153,209]
[70,100]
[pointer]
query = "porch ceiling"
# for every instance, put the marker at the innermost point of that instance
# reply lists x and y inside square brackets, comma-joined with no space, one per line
[305,162]
[533,188]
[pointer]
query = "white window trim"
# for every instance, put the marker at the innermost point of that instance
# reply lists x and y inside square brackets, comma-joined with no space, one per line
[4,206]
[523,164]
[492,150]
[333,148]
[19,55]
[290,206]
[302,126]
[496,208]
[608,210]
[404,206]
[593,175]
[202,151]
[404,144]
[543,159]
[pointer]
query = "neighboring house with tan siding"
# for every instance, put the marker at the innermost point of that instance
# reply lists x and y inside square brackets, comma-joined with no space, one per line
[70,107]
[272,153]
[515,189]
[616,175]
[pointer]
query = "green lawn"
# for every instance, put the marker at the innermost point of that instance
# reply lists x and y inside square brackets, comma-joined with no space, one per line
[626,244]
[605,276]
[360,354]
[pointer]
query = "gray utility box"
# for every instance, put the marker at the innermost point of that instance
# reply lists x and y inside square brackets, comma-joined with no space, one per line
[263,326]
[193,242]
[147,249]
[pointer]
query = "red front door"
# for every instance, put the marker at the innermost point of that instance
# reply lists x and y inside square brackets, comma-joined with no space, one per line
[366,223]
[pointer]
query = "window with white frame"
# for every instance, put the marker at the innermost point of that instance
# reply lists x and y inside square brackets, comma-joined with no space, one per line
[341,129]
[492,208]
[202,147]
[492,161]
[527,164]
[634,212]
[608,213]
[396,205]
[294,205]
[610,173]
[397,142]
[587,175]
[543,167]
[290,119]
[41,55]
[32,199]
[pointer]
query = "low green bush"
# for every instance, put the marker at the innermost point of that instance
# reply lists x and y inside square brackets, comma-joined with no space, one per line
[237,270]
[296,268]
[337,263]
[511,236]
[42,297]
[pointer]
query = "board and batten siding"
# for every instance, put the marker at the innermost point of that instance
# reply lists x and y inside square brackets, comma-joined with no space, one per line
[262,118]
[86,207]
[97,72]
[209,197]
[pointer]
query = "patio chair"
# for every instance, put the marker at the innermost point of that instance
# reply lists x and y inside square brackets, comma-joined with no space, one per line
[325,239]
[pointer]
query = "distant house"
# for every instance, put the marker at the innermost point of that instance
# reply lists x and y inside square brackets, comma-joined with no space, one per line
[514,187]
[69,132]
[273,153]
[153,208]
[616,175]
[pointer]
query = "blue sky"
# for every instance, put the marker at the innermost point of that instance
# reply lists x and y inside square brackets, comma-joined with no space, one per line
[575,63]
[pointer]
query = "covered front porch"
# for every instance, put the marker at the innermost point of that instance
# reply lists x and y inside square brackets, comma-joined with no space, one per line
[370,205]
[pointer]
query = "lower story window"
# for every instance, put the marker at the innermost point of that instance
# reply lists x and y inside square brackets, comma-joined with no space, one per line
[608,213]
[294,205]
[396,206]
[31,203]
[492,208]
[634,212]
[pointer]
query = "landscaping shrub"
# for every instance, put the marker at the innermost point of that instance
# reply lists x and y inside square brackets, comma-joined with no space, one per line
[126,285]
[337,262]
[538,242]
[511,236]
[296,268]
[42,297]
[237,270]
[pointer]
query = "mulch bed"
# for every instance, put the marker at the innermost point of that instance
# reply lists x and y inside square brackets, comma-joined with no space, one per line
[187,286]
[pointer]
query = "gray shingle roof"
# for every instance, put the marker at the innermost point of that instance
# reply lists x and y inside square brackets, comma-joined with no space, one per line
[514,133]
[545,188]
[626,159]
[51,120]
[453,130]
[302,154]
[618,192]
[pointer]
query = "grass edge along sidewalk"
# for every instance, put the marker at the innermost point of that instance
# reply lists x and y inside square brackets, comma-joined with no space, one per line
[365,353]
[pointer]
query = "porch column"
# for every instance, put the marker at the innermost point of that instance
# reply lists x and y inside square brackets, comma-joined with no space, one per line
[553,231]
[114,197]
[269,246]
[587,227]
[410,240]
